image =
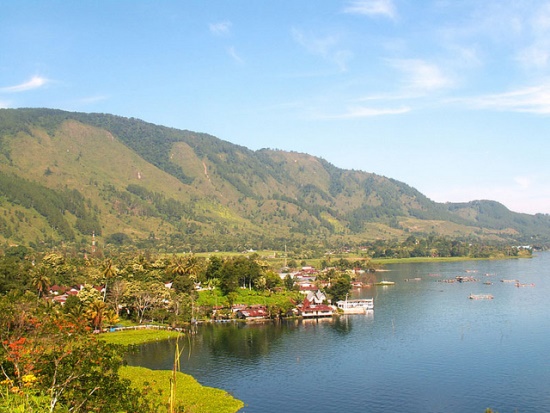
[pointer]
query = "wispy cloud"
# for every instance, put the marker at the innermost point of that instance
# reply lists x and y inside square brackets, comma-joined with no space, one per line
[537,53]
[524,182]
[4,104]
[93,99]
[534,99]
[34,83]
[372,8]
[386,97]
[326,47]
[358,112]
[234,55]
[422,76]
[220,28]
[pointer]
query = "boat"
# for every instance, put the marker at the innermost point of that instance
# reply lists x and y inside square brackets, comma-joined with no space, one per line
[481,297]
[384,282]
[525,285]
[357,306]
[463,279]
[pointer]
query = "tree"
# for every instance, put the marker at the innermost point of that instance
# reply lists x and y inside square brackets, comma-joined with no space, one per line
[229,277]
[74,308]
[109,272]
[289,282]
[96,312]
[177,266]
[189,266]
[143,296]
[272,280]
[339,289]
[214,267]
[180,308]
[40,279]
[184,284]
[88,294]
[43,353]
[116,294]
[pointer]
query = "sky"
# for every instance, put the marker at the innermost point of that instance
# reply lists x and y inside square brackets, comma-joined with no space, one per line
[451,97]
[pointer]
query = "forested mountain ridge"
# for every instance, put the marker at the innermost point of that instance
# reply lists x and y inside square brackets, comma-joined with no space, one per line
[64,176]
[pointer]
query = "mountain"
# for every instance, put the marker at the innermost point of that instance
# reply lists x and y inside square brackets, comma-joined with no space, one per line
[65,176]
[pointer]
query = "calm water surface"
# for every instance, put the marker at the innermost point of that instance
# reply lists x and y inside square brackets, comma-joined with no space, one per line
[425,348]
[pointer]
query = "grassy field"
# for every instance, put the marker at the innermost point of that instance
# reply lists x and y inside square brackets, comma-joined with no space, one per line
[382,261]
[269,257]
[136,337]
[190,394]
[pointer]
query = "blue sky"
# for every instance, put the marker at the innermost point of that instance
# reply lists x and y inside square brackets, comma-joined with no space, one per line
[450,97]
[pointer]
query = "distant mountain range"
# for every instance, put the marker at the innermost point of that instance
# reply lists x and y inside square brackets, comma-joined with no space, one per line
[65,176]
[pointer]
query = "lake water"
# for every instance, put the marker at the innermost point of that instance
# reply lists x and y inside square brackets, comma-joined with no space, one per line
[425,348]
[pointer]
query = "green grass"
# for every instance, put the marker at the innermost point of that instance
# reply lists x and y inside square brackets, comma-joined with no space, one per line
[136,337]
[189,393]
[379,261]
[248,297]
[382,261]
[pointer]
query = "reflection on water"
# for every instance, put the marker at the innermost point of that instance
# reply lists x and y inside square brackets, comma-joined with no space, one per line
[425,348]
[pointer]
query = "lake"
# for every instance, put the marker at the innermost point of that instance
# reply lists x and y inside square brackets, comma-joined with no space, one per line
[426,347]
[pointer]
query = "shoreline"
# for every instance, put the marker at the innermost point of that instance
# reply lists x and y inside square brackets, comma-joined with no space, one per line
[382,261]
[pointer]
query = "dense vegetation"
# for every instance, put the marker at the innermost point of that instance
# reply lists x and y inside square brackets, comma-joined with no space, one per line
[51,363]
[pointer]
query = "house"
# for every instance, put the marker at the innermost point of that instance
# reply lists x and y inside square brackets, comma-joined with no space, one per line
[356,284]
[238,307]
[60,299]
[306,288]
[252,313]
[318,297]
[316,311]
[58,290]
[313,306]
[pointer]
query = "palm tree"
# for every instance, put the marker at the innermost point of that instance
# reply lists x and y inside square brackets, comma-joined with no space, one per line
[97,311]
[177,266]
[110,271]
[192,268]
[40,280]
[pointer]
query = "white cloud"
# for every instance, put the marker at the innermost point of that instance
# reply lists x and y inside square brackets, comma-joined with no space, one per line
[326,47]
[93,99]
[537,53]
[34,83]
[221,28]
[234,55]
[367,112]
[524,182]
[315,45]
[4,104]
[387,97]
[534,99]
[372,8]
[421,75]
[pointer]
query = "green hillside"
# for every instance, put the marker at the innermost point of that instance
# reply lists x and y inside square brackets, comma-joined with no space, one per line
[65,176]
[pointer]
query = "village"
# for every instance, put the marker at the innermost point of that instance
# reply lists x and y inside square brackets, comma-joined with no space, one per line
[311,300]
